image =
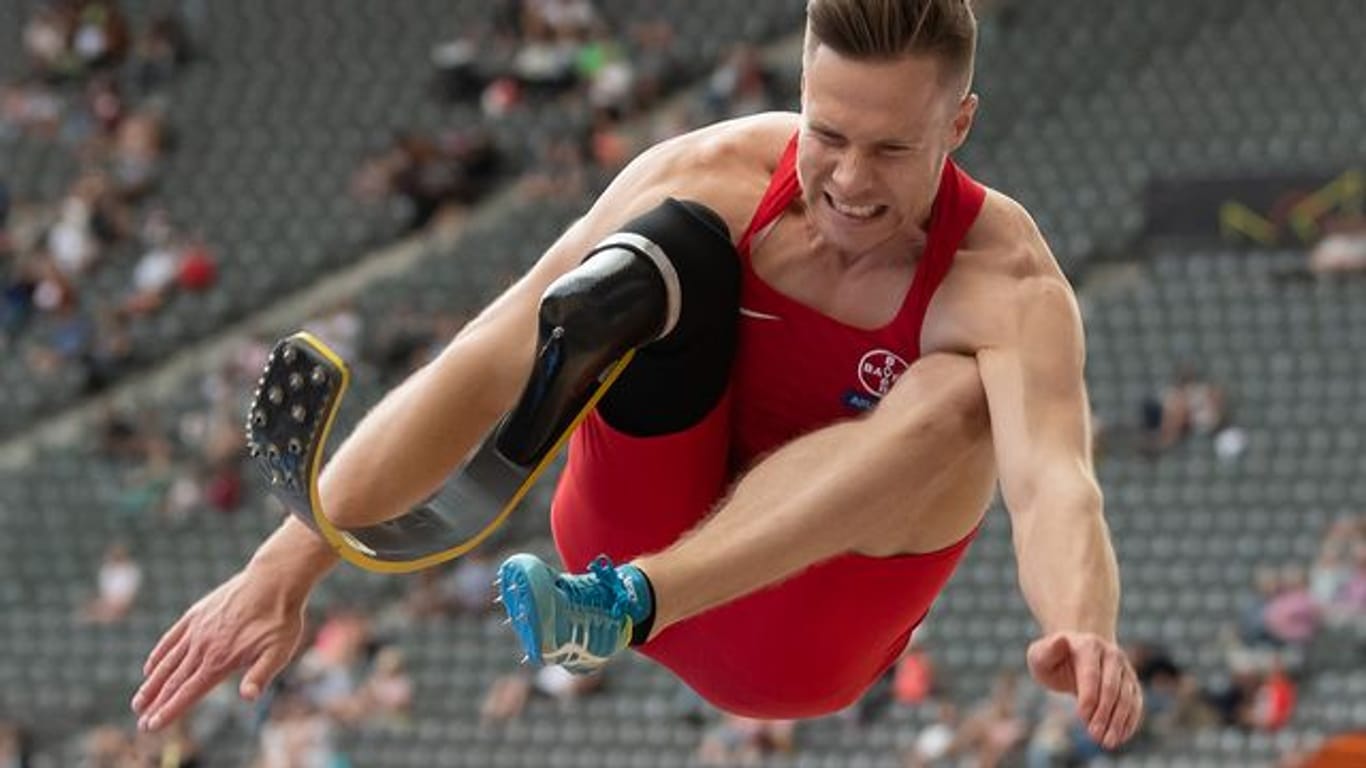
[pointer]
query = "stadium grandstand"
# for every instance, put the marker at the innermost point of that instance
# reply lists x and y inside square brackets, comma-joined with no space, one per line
[182,182]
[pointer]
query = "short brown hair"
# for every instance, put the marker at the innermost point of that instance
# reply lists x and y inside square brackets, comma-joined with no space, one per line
[888,29]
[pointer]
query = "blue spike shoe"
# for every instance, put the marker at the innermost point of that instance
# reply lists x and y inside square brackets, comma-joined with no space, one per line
[576,621]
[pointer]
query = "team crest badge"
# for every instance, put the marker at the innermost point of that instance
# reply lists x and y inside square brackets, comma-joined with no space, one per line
[879,370]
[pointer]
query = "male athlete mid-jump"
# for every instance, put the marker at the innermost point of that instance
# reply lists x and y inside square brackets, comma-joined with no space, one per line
[859,339]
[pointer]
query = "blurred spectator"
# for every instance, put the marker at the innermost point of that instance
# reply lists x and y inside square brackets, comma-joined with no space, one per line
[1292,617]
[458,76]
[145,486]
[162,51]
[468,587]
[1352,597]
[1341,250]
[1172,697]
[740,86]
[327,670]
[297,735]
[106,746]
[341,328]
[14,746]
[740,740]
[559,173]
[198,269]
[155,272]
[914,681]
[657,70]
[122,437]
[558,19]
[995,728]
[1052,743]
[45,39]
[456,167]
[110,353]
[937,744]
[1232,699]
[104,105]
[1274,702]
[609,145]
[90,218]
[17,297]
[602,64]
[507,697]
[135,159]
[119,580]
[386,696]
[1332,569]
[1190,405]
[100,37]
[1252,630]
[29,107]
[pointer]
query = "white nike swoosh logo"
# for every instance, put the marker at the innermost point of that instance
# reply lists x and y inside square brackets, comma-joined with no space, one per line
[744,312]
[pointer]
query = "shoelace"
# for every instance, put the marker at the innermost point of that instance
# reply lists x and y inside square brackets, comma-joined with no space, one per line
[606,592]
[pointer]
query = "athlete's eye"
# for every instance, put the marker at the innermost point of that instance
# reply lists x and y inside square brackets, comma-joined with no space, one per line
[827,138]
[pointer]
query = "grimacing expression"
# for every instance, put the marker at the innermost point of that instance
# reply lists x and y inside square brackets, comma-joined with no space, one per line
[873,141]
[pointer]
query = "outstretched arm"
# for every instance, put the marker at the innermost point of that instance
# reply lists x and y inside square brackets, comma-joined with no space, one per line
[1036,395]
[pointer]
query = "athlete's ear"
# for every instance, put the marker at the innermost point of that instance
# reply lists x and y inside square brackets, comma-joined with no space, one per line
[962,121]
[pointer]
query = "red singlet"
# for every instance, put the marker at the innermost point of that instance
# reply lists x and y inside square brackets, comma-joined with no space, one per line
[812,644]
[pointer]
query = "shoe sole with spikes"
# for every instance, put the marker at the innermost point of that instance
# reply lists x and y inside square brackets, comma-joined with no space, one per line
[519,581]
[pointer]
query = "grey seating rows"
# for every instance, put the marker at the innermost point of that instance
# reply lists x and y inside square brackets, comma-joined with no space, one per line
[1190,529]
[270,125]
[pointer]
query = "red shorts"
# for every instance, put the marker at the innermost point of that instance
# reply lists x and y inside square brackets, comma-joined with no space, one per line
[808,646]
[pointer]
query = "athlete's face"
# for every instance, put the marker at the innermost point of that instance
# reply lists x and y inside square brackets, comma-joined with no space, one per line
[873,141]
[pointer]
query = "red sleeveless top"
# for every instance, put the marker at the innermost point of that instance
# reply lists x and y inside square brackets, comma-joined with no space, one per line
[796,369]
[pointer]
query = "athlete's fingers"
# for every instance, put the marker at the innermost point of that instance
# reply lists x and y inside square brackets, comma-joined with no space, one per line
[1111,678]
[170,661]
[189,666]
[1087,667]
[1125,704]
[1135,711]
[168,641]
[263,670]
[185,695]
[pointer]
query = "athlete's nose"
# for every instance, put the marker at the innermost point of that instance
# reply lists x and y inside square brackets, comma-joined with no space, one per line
[850,179]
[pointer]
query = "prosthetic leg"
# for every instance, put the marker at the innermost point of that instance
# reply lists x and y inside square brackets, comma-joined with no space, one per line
[627,294]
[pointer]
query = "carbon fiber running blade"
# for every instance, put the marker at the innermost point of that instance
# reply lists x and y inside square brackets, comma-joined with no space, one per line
[467,503]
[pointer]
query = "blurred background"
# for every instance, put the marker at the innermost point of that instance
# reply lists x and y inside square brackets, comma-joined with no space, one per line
[184,181]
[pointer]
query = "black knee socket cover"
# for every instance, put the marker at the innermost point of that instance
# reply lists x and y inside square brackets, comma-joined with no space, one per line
[676,380]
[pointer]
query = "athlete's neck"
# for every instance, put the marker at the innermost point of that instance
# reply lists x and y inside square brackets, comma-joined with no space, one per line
[900,249]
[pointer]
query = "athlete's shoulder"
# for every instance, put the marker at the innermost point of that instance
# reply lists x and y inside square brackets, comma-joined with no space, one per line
[1006,238]
[725,166]
[736,145]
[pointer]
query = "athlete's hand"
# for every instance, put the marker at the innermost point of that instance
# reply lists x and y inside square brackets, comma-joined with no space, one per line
[248,621]
[1098,673]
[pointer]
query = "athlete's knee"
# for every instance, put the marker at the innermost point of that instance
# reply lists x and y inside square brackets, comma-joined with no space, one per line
[940,397]
[666,287]
[677,379]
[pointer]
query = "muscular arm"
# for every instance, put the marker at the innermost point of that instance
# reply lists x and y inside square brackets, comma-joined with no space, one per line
[1036,395]
[1040,426]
